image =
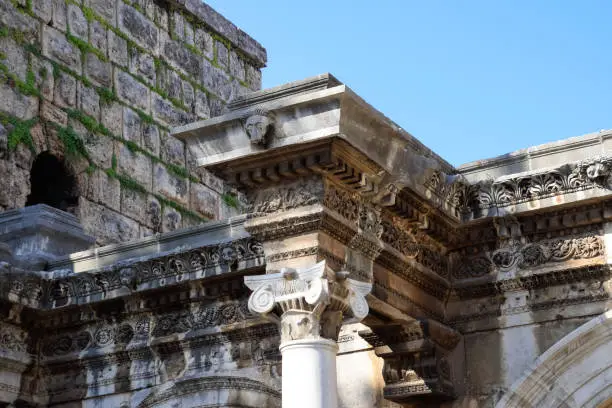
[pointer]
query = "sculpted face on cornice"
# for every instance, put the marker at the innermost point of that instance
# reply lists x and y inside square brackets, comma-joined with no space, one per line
[259,126]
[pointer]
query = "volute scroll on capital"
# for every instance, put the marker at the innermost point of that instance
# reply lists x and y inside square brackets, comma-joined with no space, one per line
[308,290]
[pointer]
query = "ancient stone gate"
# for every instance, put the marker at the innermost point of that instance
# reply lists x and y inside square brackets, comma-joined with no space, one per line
[215,245]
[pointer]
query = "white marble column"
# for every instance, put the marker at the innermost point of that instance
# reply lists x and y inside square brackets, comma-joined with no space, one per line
[310,309]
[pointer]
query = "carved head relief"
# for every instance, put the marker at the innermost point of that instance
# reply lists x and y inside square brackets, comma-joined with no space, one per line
[598,172]
[259,126]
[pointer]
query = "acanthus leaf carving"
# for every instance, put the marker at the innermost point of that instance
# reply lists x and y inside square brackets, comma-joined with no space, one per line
[591,173]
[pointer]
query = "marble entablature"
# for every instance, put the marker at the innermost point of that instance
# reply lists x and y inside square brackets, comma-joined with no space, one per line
[437,285]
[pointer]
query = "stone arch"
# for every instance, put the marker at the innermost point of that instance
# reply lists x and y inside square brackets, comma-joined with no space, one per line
[218,391]
[575,372]
[52,183]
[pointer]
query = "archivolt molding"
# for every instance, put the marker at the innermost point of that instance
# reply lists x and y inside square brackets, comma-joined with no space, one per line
[575,372]
[266,395]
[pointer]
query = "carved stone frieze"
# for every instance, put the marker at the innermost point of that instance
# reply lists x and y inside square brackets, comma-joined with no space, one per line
[515,255]
[286,227]
[203,317]
[170,269]
[591,173]
[345,203]
[536,281]
[399,239]
[13,338]
[487,308]
[285,197]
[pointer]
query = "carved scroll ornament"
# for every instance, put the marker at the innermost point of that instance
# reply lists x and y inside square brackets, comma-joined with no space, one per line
[307,304]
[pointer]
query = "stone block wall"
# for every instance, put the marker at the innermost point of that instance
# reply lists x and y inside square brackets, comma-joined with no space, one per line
[99,83]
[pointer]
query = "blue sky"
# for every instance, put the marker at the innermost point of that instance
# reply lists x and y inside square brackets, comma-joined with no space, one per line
[470,79]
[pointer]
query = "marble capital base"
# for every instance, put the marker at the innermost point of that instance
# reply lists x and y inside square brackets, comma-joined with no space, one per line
[309,373]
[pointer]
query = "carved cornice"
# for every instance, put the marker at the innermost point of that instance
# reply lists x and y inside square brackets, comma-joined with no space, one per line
[582,175]
[517,256]
[406,271]
[534,281]
[465,197]
[416,366]
[396,335]
[215,324]
[409,305]
[42,292]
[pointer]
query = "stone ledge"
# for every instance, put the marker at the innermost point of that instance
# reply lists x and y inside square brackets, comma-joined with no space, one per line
[180,240]
[28,231]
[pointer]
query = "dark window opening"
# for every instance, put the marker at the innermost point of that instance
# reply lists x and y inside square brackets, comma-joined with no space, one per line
[52,184]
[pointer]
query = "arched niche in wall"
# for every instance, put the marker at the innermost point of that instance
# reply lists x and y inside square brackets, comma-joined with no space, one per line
[575,372]
[52,183]
[218,391]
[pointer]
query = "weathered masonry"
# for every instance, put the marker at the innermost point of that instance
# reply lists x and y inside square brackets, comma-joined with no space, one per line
[173,236]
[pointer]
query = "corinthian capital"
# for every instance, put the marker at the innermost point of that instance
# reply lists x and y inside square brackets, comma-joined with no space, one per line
[308,303]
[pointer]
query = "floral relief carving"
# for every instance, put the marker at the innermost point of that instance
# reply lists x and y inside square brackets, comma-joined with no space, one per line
[205,316]
[370,221]
[453,189]
[176,266]
[592,173]
[400,240]
[343,202]
[531,255]
[286,197]
[12,338]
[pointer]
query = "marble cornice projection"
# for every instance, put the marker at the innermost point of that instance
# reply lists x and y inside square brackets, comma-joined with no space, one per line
[585,273]
[514,256]
[588,287]
[123,270]
[319,126]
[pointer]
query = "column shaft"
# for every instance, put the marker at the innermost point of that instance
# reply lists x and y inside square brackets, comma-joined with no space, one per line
[309,373]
